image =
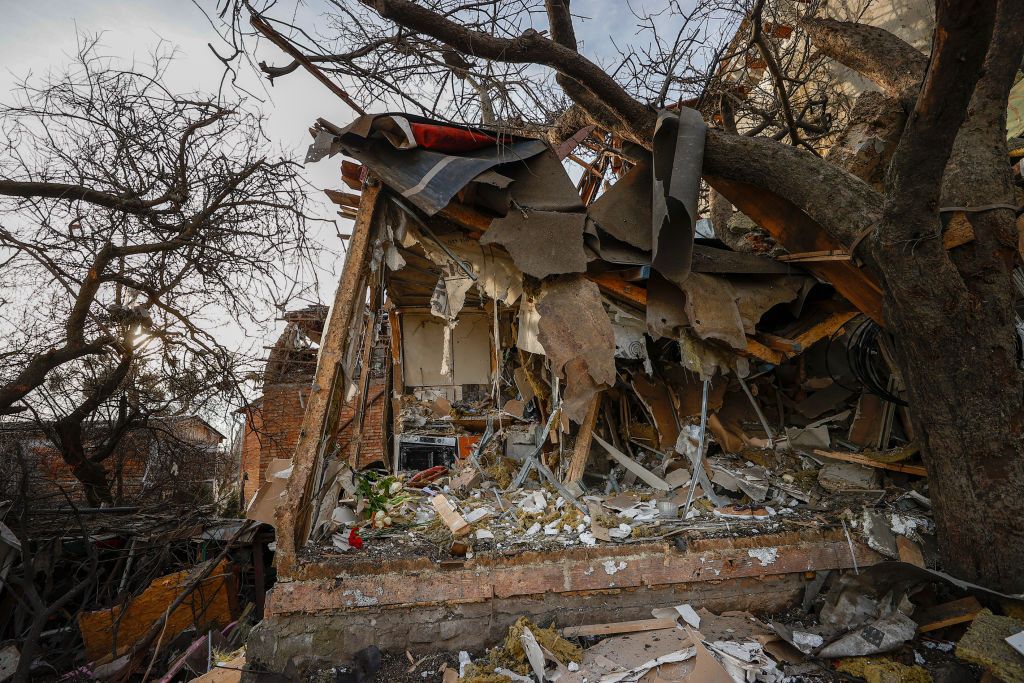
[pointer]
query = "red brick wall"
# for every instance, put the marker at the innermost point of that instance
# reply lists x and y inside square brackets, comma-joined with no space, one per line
[274,421]
[138,466]
[272,429]
[373,448]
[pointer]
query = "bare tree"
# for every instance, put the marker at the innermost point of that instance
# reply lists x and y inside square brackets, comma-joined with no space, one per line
[133,221]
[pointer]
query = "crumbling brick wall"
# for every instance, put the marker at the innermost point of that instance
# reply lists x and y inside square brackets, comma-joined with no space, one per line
[272,426]
[374,433]
[148,465]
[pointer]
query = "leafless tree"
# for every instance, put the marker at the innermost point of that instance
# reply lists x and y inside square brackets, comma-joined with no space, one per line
[133,222]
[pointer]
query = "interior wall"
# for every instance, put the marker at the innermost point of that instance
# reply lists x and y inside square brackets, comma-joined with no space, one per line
[423,348]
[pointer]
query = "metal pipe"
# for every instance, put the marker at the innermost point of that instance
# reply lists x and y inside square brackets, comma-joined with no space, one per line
[697,462]
[757,409]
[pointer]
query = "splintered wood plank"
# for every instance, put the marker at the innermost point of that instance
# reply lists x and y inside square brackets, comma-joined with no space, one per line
[466,216]
[343,198]
[825,328]
[619,627]
[909,551]
[323,405]
[762,352]
[917,470]
[948,614]
[449,515]
[581,451]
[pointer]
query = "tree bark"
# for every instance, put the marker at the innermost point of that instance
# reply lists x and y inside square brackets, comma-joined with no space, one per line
[33,375]
[89,471]
[952,314]
[894,66]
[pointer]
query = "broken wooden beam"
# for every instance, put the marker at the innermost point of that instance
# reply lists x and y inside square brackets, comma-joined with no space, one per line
[319,423]
[581,451]
[799,233]
[948,614]
[619,627]
[917,470]
[618,289]
[345,199]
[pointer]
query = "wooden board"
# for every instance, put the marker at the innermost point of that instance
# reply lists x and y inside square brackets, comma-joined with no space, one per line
[322,416]
[450,516]
[619,627]
[581,451]
[909,551]
[799,233]
[225,672]
[863,460]
[108,633]
[948,614]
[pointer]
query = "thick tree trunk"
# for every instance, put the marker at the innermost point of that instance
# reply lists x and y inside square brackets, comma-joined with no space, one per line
[958,361]
[951,314]
[92,475]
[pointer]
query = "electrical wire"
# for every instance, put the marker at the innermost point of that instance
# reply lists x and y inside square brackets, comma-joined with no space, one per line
[864,356]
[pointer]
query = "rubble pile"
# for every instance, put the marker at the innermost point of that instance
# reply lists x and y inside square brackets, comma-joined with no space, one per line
[878,626]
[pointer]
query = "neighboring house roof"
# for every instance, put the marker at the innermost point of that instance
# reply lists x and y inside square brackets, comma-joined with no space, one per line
[32,426]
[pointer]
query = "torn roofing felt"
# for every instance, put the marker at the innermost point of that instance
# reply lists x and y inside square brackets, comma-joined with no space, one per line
[538,226]
[416,157]
[678,158]
[562,233]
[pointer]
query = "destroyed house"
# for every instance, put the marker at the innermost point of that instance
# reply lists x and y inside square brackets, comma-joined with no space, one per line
[590,411]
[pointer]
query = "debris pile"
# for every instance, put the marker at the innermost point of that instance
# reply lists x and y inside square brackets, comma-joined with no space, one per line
[588,389]
[877,626]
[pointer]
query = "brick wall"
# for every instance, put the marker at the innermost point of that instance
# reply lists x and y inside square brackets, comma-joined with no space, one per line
[272,427]
[373,447]
[274,421]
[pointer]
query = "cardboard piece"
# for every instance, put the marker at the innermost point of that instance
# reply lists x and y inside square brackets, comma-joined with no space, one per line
[707,669]
[529,239]
[263,507]
[450,516]
[619,627]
